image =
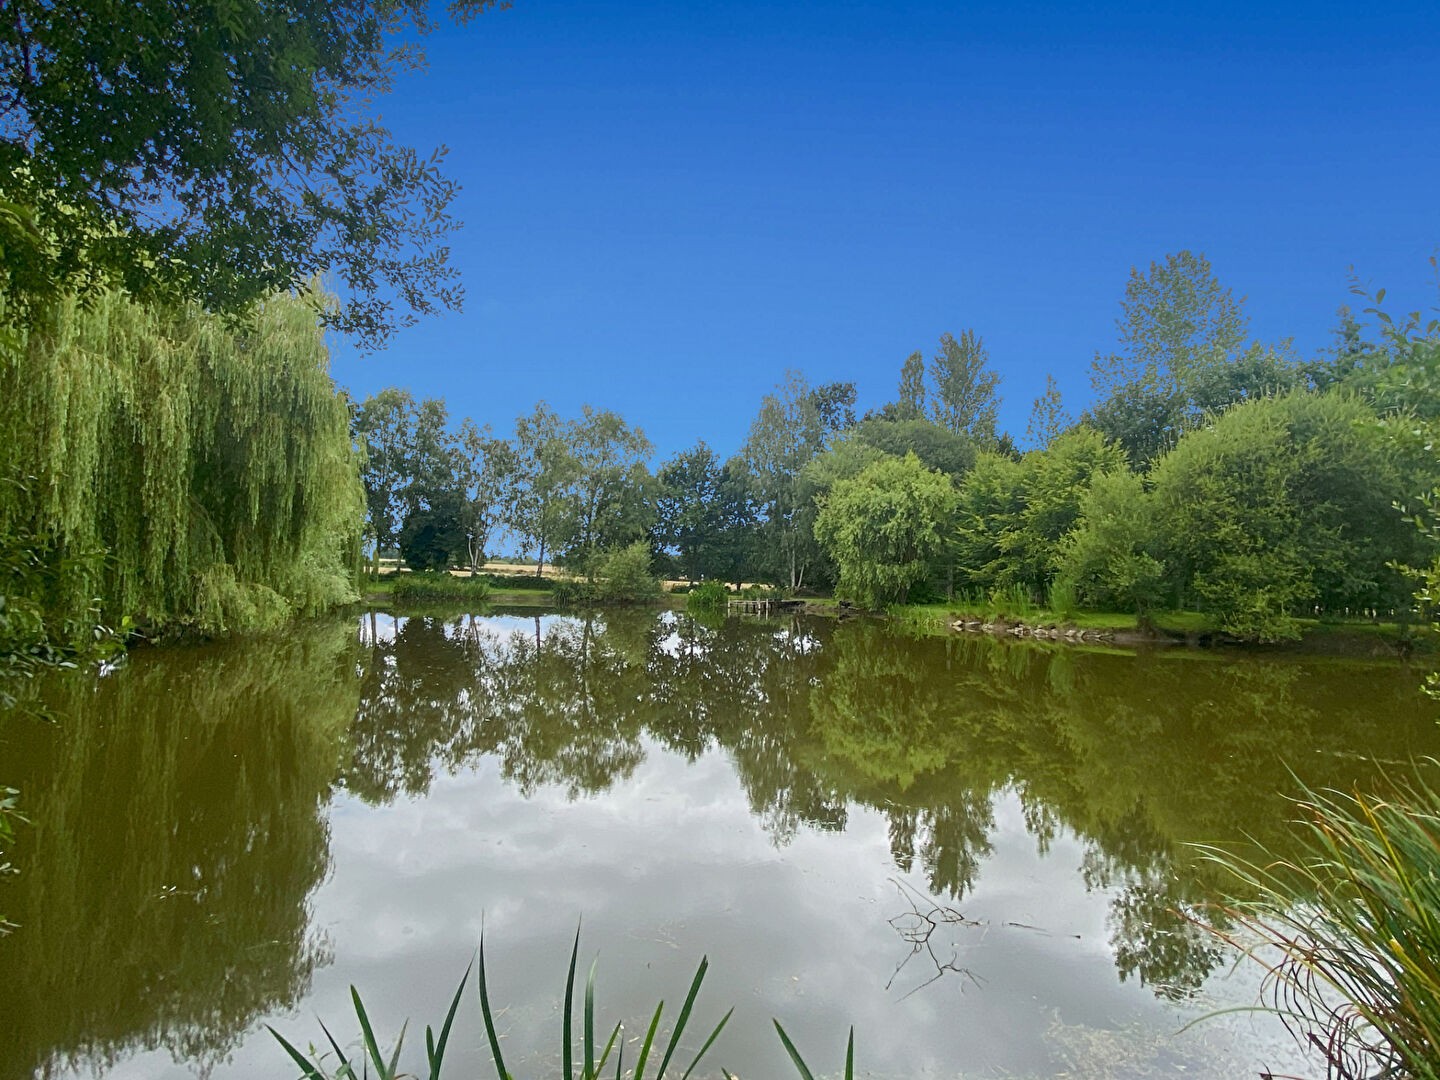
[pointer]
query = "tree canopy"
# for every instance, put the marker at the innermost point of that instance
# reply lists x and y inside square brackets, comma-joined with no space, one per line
[218,153]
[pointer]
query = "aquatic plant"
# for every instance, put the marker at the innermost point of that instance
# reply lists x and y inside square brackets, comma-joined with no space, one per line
[438,586]
[707,596]
[313,1065]
[1349,932]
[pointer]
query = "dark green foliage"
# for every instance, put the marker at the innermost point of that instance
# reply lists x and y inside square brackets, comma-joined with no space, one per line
[189,153]
[937,447]
[441,586]
[434,537]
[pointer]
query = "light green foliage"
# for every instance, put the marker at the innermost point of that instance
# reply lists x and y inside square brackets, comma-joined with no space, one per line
[544,469]
[624,575]
[962,388]
[884,526]
[1013,515]
[1282,506]
[707,597]
[384,429]
[911,401]
[217,155]
[1106,560]
[1048,417]
[987,507]
[607,495]
[487,474]
[213,468]
[1182,355]
[794,426]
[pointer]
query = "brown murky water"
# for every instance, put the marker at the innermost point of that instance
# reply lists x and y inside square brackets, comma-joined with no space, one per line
[232,835]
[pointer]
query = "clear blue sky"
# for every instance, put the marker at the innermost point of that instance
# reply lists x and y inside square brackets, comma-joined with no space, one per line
[667,205]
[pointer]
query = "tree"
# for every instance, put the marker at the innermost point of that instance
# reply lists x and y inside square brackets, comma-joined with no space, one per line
[1180,358]
[883,526]
[218,154]
[487,474]
[1107,558]
[384,429]
[936,447]
[1284,506]
[687,507]
[544,469]
[963,396]
[911,401]
[793,426]
[1048,417]
[607,481]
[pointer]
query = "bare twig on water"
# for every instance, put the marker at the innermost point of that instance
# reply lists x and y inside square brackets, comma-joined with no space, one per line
[917,927]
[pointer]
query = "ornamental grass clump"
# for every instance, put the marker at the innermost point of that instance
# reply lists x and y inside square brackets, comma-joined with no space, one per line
[1350,932]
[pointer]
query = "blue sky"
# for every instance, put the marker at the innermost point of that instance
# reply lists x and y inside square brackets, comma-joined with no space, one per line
[667,205]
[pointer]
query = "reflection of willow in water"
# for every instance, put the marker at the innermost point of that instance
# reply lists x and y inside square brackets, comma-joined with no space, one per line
[178,833]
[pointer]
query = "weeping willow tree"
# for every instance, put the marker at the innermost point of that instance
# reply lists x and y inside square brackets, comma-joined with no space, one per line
[164,467]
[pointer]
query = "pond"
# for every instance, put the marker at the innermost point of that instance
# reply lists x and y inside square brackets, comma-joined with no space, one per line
[977,852]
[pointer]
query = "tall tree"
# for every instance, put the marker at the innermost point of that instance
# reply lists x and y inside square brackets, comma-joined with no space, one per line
[912,387]
[963,394]
[607,484]
[218,154]
[1182,356]
[488,476]
[544,471]
[793,426]
[384,430]
[1048,417]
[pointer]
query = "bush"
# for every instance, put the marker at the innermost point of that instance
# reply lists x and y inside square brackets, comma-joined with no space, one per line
[623,575]
[708,596]
[434,586]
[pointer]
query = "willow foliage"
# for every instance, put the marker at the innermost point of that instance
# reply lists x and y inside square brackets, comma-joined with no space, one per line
[206,472]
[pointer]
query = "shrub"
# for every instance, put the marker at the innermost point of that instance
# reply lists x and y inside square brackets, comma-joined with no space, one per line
[433,586]
[708,596]
[623,575]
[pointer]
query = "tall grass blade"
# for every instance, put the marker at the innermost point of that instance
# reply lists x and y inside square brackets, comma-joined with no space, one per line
[708,1043]
[649,1042]
[392,1071]
[306,1066]
[589,1034]
[435,1051]
[346,1071]
[567,1051]
[488,1017]
[684,1017]
[850,1055]
[365,1029]
[794,1054]
[609,1048]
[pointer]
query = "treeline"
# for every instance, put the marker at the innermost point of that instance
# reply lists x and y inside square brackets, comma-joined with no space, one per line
[1211,473]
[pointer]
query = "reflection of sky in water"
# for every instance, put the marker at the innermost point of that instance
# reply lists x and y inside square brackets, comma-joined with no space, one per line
[670,864]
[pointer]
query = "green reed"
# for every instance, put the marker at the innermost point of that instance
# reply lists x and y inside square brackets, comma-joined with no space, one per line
[1349,933]
[591,1064]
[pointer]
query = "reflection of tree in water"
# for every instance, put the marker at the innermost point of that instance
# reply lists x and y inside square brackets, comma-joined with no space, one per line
[1136,756]
[178,834]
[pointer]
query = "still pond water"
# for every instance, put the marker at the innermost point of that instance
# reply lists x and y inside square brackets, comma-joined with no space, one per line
[232,835]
